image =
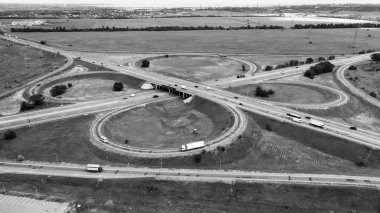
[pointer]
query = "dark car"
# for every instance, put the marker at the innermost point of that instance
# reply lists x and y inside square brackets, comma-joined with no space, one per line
[307,117]
[155,96]
[240,104]
[353,128]
[236,97]
[175,85]
[196,86]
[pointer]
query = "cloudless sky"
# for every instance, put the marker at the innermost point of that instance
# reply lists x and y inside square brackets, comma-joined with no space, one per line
[192,3]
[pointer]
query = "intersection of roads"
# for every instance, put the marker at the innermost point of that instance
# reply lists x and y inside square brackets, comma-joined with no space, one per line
[235,102]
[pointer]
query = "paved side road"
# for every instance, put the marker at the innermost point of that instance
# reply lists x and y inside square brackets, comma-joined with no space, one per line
[14,204]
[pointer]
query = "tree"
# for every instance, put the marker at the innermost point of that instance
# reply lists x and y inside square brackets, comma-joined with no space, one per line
[58,90]
[118,86]
[373,94]
[331,57]
[197,158]
[145,63]
[43,42]
[352,67]
[26,106]
[375,57]
[37,99]
[309,74]
[9,135]
[309,60]
[70,85]
[321,58]
[268,68]
[261,92]
[270,92]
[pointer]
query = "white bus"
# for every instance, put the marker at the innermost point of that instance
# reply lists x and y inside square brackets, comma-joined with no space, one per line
[291,115]
[94,168]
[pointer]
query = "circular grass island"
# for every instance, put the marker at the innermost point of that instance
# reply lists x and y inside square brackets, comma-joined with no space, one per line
[292,93]
[168,124]
[195,68]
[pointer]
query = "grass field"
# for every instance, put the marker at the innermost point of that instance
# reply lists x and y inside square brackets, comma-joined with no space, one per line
[90,89]
[150,195]
[166,124]
[196,68]
[289,93]
[188,21]
[15,71]
[366,77]
[292,42]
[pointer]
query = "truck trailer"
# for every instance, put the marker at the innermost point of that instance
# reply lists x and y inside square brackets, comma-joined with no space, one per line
[94,168]
[316,123]
[194,145]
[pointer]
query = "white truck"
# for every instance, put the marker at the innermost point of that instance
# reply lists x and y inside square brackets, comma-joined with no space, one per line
[316,123]
[183,87]
[194,145]
[94,168]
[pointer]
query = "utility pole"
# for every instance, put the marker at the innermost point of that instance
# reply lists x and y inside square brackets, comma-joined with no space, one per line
[56,157]
[5,158]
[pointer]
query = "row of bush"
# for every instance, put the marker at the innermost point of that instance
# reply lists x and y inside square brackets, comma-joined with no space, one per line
[260,92]
[158,28]
[323,67]
[332,26]
[293,62]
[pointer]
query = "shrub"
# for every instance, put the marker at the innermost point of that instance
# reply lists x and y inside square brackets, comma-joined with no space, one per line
[261,92]
[37,99]
[321,59]
[166,56]
[118,86]
[70,85]
[20,158]
[221,148]
[309,60]
[268,68]
[268,127]
[375,57]
[373,94]
[197,158]
[43,42]
[9,135]
[331,57]
[243,67]
[26,106]
[58,90]
[362,52]
[270,91]
[352,67]
[145,63]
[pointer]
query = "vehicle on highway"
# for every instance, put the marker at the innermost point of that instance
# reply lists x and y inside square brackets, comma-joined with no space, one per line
[292,115]
[353,128]
[221,55]
[78,58]
[104,139]
[119,65]
[316,123]
[236,97]
[196,86]
[155,96]
[297,120]
[241,104]
[240,76]
[308,117]
[132,95]
[125,98]
[194,145]
[208,88]
[94,168]
[175,85]
[183,87]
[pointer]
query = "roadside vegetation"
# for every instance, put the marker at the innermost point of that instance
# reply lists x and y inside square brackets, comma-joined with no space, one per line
[322,67]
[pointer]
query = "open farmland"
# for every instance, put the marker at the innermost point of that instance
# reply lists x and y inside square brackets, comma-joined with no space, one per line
[167,124]
[196,68]
[289,93]
[185,21]
[20,64]
[240,41]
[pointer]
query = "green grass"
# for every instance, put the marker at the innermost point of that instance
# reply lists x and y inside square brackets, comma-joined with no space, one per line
[149,195]
[15,72]
[168,124]
[293,42]
[289,93]
[195,68]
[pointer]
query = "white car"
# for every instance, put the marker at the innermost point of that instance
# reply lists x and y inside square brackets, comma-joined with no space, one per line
[297,120]
[132,95]
[208,88]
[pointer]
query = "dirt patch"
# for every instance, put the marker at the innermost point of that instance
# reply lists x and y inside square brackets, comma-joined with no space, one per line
[166,124]
[195,68]
[11,104]
[289,93]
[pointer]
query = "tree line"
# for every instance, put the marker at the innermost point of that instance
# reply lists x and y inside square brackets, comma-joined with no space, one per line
[332,26]
[160,28]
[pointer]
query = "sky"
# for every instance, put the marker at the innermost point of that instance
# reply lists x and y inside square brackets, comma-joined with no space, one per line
[191,3]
